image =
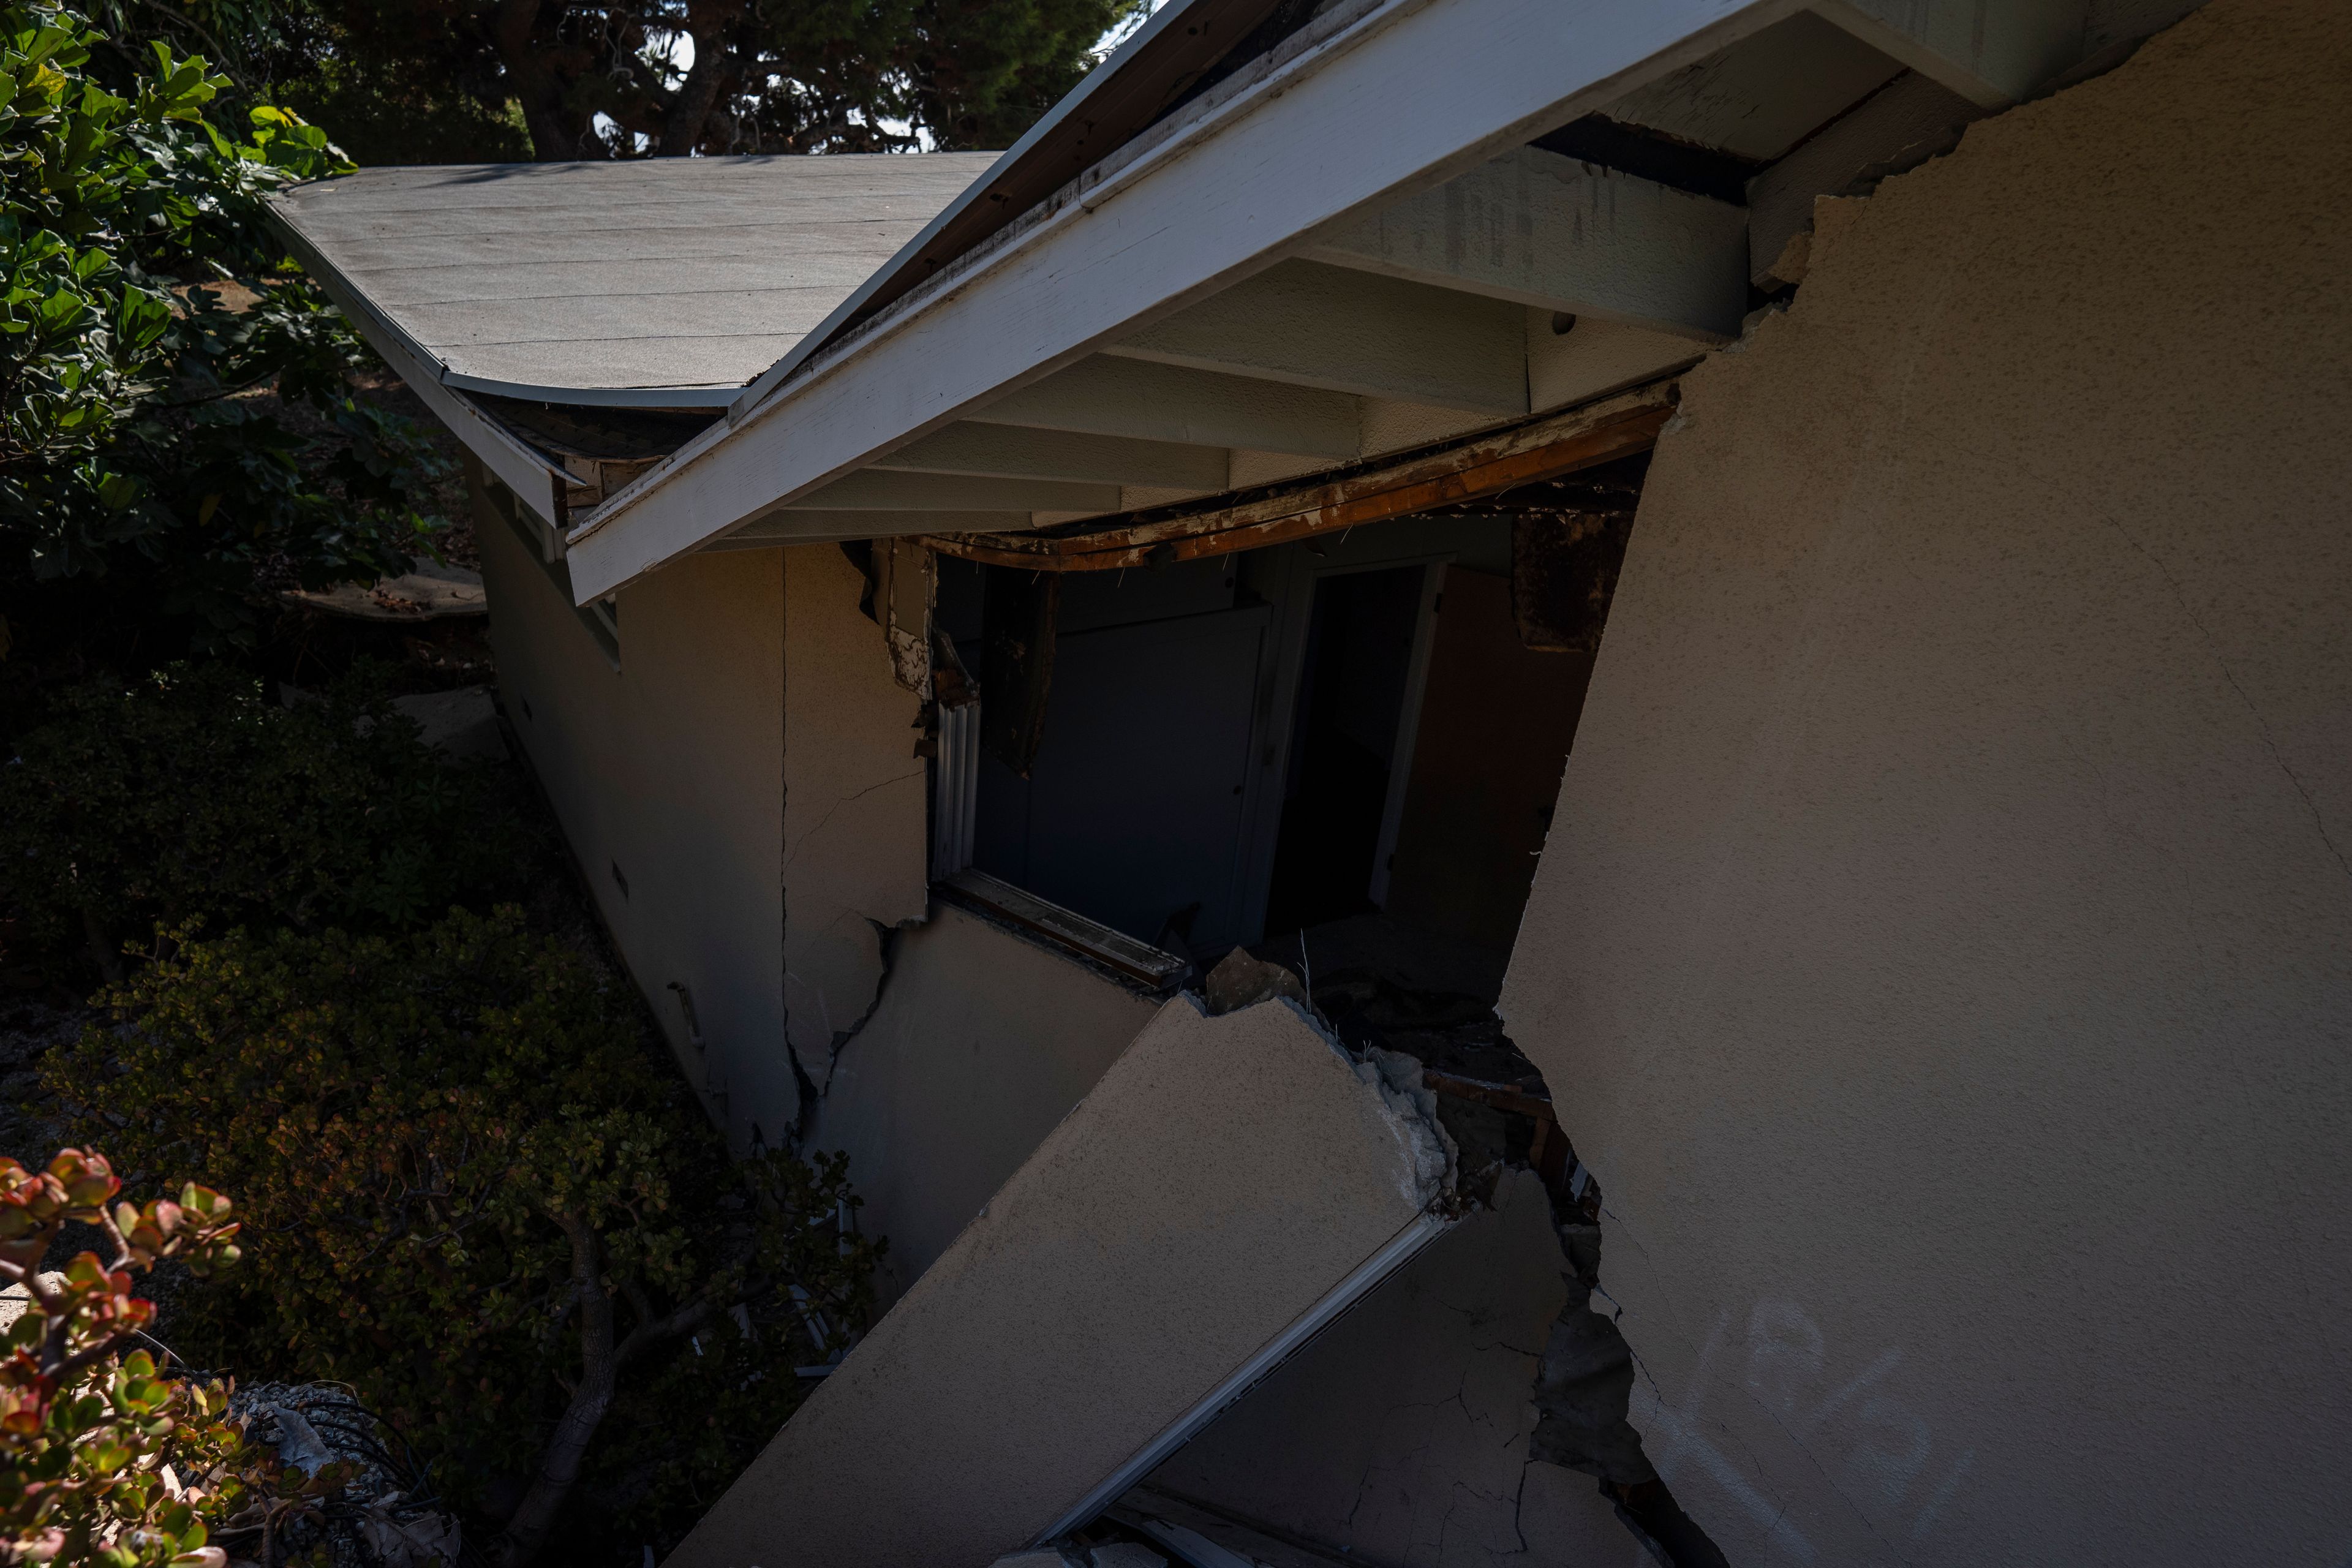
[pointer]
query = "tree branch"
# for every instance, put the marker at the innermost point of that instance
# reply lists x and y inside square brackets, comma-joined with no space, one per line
[708,24]
[559,1465]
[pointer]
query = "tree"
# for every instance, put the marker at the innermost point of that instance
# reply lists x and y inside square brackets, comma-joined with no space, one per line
[501,1220]
[102,1456]
[178,405]
[454,80]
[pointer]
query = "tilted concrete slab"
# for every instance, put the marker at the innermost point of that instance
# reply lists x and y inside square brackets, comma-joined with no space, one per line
[1224,1179]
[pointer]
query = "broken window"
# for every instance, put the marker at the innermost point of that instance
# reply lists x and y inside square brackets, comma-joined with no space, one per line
[1231,751]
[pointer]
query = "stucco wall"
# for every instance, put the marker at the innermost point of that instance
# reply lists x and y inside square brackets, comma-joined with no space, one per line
[1944,953]
[854,814]
[982,1042]
[671,769]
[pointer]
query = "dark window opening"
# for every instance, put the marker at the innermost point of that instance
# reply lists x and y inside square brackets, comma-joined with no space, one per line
[1343,763]
[1364,730]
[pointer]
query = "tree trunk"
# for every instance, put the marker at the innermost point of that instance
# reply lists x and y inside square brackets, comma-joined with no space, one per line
[707,25]
[536,86]
[559,1466]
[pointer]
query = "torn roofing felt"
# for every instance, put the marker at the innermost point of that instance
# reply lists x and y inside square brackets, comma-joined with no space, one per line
[1228,1184]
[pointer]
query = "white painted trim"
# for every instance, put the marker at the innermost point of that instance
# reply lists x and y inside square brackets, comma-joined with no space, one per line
[1349,329]
[955,794]
[1417,91]
[1993,53]
[1367,1276]
[1559,233]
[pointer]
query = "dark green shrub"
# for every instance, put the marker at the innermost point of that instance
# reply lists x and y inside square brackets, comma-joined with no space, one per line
[490,1206]
[186,797]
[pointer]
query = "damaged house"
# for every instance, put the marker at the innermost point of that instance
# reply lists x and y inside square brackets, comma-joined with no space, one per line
[1536,782]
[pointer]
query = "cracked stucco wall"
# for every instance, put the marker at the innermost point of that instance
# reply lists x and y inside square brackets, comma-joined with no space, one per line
[669,769]
[1223,1177]
[1400,1436]
[1949,927]
[854,825]
[981,1043]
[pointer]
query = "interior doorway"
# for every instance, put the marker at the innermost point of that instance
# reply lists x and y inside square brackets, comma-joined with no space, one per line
[1366,650]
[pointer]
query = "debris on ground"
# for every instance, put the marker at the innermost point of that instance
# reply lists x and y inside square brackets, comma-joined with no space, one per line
[386,1514]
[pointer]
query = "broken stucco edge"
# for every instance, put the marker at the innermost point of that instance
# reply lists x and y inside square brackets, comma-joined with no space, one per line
[1425,1228]
[1410,1112]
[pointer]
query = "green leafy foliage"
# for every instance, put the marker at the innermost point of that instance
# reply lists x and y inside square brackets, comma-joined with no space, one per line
[176,400]
[475,80]
[186,799]
[103,1458]
[494,1207]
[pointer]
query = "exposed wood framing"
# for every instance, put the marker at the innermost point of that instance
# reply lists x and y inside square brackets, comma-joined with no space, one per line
[1560,234]
[1993,52]
[1344,330]
[1543,449]
[886,490]
[1014,451]
[1168,402]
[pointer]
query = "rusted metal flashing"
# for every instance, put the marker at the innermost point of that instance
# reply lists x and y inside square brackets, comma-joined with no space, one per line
[1541,449]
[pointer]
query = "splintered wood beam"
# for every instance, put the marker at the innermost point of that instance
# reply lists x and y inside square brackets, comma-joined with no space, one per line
[1017,451]
[1543,449]
[1344,330]
[881,490]
[1130,398]
[1559,233]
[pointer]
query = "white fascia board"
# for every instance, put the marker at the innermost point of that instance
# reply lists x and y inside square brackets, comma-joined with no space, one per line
[1993,53]
[536,481]
[1413,93]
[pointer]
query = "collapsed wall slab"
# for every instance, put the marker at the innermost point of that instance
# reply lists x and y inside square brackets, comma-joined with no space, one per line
[1948,928]
[1403,1434]
[1222,1179]
[981,1044]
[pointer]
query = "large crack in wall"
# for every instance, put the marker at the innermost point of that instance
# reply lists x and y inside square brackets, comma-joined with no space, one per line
[1496,1112]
